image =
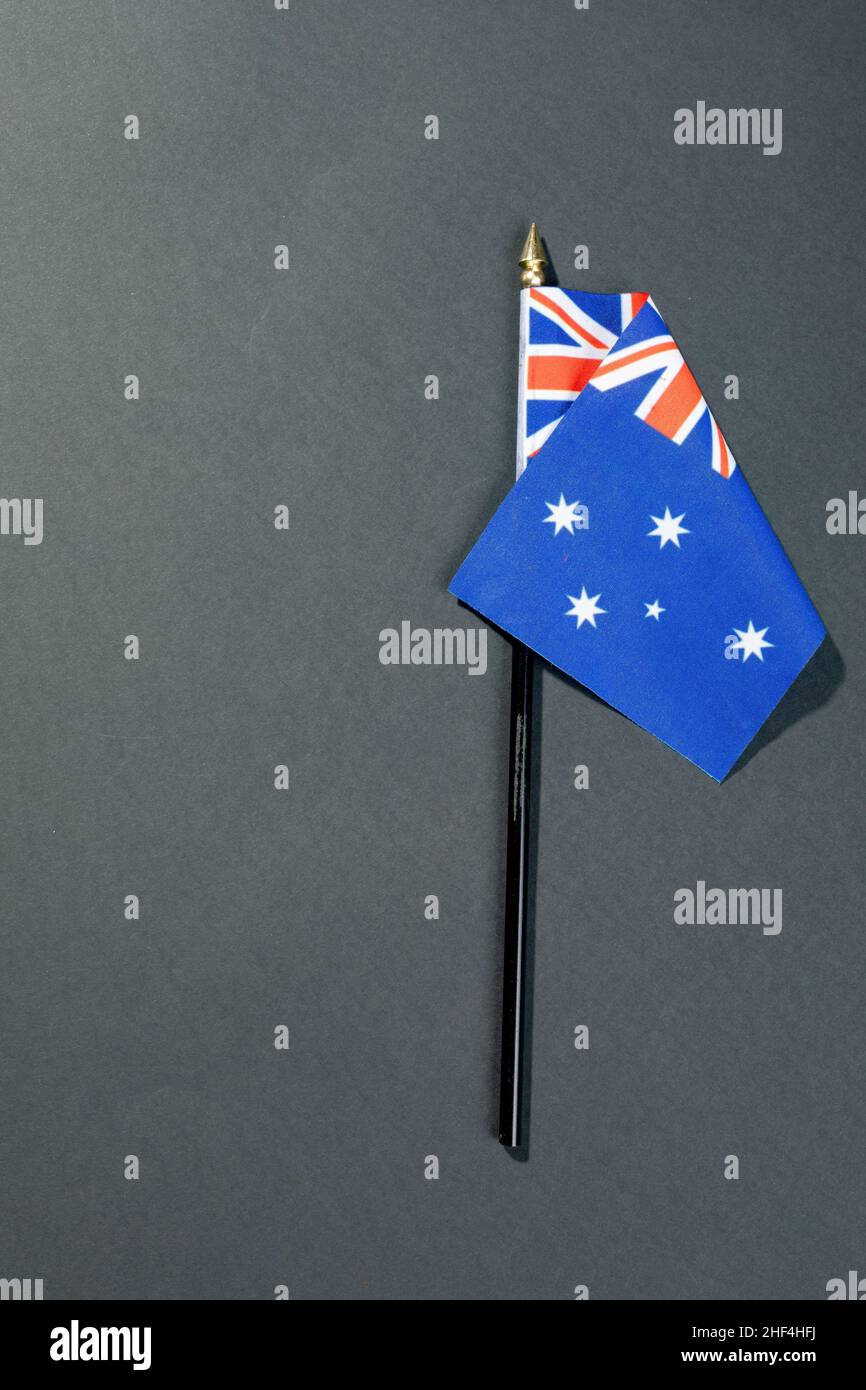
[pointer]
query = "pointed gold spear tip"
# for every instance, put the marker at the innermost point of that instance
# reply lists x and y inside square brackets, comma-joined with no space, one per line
[532,260]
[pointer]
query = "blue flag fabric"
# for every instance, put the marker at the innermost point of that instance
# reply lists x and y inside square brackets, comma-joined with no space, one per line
[631,553]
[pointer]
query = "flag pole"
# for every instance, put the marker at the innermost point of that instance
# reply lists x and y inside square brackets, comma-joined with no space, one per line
[533,264]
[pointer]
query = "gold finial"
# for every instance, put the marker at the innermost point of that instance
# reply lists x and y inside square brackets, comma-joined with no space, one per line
[532,260]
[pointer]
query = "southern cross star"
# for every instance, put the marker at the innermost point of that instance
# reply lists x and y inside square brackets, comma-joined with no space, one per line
[653,610]
[751,643]
[668,528]
[584,608]
[562,514]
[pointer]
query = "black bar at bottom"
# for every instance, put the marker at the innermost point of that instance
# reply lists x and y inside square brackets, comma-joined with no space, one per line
[211,1337]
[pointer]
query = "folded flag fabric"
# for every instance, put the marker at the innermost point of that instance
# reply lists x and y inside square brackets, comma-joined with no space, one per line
[631,553]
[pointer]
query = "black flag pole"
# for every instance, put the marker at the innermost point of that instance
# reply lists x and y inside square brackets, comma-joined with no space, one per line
[533,264]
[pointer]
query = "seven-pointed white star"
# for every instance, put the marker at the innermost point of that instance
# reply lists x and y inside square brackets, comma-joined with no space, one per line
[668,528]
[751,643]
[653,610]
[584,608]
[562,515]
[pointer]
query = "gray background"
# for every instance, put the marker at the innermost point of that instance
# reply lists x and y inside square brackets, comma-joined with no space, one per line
[259,647]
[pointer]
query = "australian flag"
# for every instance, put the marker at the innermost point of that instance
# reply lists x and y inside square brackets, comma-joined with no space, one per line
[631,552]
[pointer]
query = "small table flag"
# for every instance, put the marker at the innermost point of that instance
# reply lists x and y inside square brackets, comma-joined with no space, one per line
[631,553]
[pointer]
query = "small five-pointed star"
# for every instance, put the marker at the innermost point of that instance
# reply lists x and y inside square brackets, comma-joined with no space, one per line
[653,610]
[751,643]
[562,514]
[584,608]
[668,528]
